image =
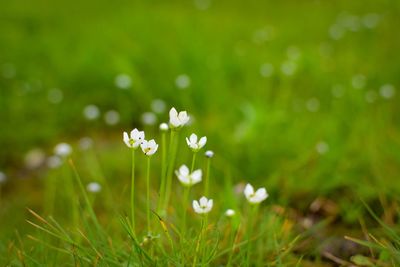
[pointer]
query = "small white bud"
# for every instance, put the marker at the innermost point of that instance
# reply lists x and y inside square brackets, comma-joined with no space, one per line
[164,127]
[230,213]
[209,154]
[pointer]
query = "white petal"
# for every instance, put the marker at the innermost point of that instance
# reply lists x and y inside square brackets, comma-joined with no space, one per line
[196,206]
[140,135]
[193,138]
[188,142]
[152,143]
[210,203]
[202,141]
[184,170]
[126,139]
[134,133]
[173,113]
[196,176]
[248,191]
[152,151]
[203,202]
[261,194]
[174,121]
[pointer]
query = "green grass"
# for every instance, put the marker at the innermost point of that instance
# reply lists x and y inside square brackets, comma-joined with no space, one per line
[261,128]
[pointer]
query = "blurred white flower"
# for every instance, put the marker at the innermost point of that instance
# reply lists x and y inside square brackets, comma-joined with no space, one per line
[182,81]
[257,196]
[370,96]
[338,90]
[34,158]
[3,177]
[322,147]
[54,162]
[93,187]
[123,81]
[111,117]
[55,95]
[187,178]
[230,213]
[149,147]
[177,120]
[135,138]
[336,32]
[149,118]
[63,150]
[164,127]
[371,20]
[387,91]
[209,154]
[266,69]
[196,144]
[359,81]
[8,70]
[293,53]
[202,4]
[91,112]
[312,104]
[85,143]
[288,68]
[203,206]
[158,106]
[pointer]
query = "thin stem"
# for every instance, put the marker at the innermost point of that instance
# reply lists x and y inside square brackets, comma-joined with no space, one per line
[198,243]
[234,233]
[207,177]
[172,156]
[163,169]
[193,161]
[250,232]
[148,195]
[184,205]
[133,191]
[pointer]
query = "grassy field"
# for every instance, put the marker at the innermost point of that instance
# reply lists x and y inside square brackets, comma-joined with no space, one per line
[299,97]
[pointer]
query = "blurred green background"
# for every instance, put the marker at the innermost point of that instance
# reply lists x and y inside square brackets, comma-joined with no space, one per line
[298,96]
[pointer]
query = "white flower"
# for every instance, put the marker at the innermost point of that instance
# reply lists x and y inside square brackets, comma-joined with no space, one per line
[63,150]
[209,154]
[3,177]
[164,127]
[196,144]
[54,162]
[123,81]
[149,147]
[177,120]
[203,206]
[149,118]
[255,197]
[93,187]
[186,178]
[135,139]
[91,112]
[230,213]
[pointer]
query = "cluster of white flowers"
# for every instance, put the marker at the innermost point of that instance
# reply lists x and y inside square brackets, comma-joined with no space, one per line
[186,177]
[136,139]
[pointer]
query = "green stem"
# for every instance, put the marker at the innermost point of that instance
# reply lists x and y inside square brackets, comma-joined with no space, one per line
[173,146]
[234,233]
[163,170]
[250,232]
[207,177]
[148,195]
[193,161]
[184,206]
[198,243]
[133,191]
[203,248]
